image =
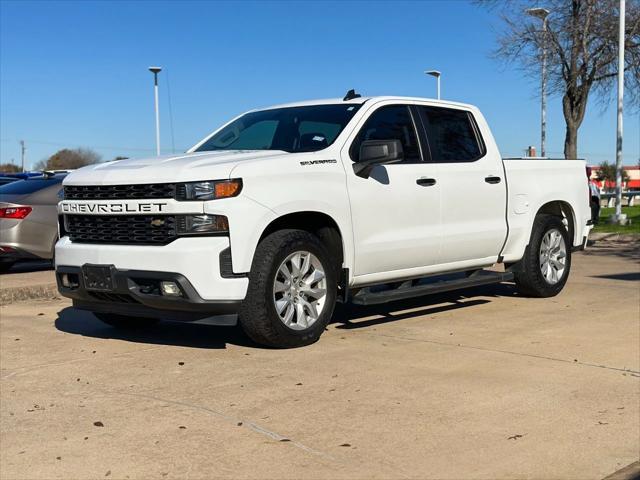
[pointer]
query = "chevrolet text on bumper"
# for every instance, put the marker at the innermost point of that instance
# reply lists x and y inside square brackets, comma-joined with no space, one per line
[280,213]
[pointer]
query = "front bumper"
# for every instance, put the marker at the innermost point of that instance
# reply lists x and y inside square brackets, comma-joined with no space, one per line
[137,293]
[200,266]
[200,260]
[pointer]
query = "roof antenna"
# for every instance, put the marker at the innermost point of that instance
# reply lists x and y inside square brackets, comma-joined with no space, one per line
[351,94]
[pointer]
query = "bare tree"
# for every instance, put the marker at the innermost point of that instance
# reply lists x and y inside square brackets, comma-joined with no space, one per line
[582,51]
[67,159]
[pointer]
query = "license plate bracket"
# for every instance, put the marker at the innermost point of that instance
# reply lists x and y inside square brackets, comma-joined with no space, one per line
[98,277]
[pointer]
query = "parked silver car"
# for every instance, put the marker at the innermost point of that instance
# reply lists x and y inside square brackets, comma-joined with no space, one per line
[29,219]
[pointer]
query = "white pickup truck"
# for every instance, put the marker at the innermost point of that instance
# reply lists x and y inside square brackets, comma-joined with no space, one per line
[283,211]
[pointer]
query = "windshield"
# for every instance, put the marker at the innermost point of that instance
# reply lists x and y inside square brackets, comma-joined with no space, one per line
[293,129]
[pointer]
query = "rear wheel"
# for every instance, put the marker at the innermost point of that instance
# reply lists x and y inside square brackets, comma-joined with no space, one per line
[544,269]
[125,323]
[292,290]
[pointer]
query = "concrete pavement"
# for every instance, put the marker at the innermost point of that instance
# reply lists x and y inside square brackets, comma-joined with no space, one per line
[27,280]
[479,384]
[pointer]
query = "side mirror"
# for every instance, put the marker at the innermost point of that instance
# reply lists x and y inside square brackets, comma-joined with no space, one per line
[377,152]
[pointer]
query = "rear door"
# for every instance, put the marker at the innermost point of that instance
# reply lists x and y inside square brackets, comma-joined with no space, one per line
[472,186]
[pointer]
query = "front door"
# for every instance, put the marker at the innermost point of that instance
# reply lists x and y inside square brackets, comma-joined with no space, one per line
[396,210]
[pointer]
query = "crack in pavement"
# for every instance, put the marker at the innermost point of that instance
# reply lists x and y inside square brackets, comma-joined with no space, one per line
[394,470]
[257,429]
[493,350]
[232,420]
[29,368]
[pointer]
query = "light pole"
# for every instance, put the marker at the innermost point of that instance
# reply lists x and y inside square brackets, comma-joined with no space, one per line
[618,218]
[435,73]
[542,14]
[155,71]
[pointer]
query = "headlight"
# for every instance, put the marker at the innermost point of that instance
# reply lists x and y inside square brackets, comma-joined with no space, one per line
[208,190]
[202,224]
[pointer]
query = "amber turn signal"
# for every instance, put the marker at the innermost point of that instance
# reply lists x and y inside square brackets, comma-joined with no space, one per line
[228,188]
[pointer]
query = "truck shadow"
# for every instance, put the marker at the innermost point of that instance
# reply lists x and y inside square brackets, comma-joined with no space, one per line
[358,316]
[179,334]
[192,335]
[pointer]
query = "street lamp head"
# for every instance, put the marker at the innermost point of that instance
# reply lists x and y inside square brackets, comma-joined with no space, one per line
[540,13]
[433,73]
[155,69]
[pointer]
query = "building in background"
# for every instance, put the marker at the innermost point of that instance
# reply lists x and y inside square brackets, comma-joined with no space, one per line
[631,185]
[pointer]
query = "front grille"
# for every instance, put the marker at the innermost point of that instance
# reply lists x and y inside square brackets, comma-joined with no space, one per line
[123,230]
[119,192]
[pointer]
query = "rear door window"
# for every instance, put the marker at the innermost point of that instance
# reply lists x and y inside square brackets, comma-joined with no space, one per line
[452,134]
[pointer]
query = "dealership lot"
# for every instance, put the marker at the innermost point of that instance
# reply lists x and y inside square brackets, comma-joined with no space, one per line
[474,384]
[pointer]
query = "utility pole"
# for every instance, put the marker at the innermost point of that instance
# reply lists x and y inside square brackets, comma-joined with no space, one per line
[542,14]
[23,150]
[155,71]
[618,215]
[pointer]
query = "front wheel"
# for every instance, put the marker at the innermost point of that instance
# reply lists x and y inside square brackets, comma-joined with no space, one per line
[544,269]
[292,290]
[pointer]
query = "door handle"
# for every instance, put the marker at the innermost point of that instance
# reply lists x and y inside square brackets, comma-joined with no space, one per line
[426,182]
[492,179]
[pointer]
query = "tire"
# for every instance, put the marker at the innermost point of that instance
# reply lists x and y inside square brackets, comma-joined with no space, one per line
[123,322]
[6,266]
[531,277]
[268,290]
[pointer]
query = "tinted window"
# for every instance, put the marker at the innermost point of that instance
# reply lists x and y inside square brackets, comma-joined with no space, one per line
[260,134]
[451,134]
[390,123]
[294,129]
[24,187]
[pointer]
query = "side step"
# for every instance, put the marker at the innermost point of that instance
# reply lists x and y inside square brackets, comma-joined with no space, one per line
[411,289]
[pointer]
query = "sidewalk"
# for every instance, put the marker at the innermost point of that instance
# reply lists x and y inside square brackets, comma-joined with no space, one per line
[28,281]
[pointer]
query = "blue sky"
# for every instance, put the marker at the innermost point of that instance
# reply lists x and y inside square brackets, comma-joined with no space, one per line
[74,74]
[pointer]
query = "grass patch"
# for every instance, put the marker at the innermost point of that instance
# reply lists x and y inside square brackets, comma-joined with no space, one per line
[633,214]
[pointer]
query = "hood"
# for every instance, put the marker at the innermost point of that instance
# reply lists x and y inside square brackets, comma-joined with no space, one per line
[168,168]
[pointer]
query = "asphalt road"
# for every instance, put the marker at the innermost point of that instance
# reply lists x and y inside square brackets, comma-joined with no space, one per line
[478,384]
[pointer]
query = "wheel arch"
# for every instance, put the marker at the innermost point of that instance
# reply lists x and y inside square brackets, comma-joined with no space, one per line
[521,226]
[318,223]
[562,209]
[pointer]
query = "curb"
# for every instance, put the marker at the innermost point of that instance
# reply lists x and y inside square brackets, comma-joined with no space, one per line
[21,294]
[630,472]
[614,237]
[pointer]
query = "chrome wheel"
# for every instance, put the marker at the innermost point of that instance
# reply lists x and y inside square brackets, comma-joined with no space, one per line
[553,256]
[300,290]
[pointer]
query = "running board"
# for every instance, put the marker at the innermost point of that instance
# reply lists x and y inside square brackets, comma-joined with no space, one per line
[410,290]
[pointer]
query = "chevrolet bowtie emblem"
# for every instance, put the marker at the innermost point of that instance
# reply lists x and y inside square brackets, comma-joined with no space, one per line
[157,222]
